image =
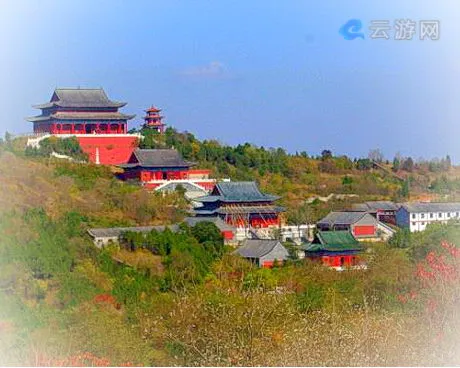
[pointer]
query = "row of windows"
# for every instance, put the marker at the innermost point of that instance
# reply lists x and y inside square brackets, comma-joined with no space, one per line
[80,126]
[432,215]
[422,224]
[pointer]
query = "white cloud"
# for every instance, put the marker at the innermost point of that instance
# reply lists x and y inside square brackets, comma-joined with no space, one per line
[212,69]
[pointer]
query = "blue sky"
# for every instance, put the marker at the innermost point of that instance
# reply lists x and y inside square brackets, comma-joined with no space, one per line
[273,73]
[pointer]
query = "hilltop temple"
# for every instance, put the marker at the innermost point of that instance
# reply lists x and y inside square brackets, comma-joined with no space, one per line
[93,118]
[101,130]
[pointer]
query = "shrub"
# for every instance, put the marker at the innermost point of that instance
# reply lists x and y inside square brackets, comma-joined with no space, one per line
[64,146]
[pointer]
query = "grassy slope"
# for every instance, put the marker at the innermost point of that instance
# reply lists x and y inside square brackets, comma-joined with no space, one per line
[55,316]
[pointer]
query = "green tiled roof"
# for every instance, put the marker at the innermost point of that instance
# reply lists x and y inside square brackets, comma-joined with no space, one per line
[333,241]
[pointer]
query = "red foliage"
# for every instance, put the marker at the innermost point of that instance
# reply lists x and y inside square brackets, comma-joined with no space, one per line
[107,299]
[234,275]
[434,271]
[6,326]
[431,305]
[85,359]
[452,249]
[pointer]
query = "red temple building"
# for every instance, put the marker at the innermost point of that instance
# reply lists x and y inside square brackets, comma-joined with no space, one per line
[240,204]
[153,120]
[335,249]
[165,169]
[89,115]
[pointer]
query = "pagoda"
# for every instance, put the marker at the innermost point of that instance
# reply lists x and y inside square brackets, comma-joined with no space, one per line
[240,204]
[153,119]
[93,118]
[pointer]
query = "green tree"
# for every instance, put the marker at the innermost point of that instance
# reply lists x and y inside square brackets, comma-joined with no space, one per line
[405,188]
[363,164]
[401,239]
[326,154]
[408,164]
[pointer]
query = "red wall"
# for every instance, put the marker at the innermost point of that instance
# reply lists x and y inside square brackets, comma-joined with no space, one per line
[364,230]
[112,150]
[270,264]
[228,235]
[255,222]
[335,261]
[260,222]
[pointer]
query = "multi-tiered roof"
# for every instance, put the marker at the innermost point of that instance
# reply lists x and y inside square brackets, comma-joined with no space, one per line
[241,204]
[153,119]
[90,109]
[233,197]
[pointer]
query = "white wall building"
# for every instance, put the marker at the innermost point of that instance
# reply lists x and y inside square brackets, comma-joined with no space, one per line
[417,215]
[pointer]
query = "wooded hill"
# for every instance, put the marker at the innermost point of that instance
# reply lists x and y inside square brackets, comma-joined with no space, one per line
[182,299]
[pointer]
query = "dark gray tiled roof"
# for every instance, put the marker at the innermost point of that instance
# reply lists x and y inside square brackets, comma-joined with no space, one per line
[240,209]
[256,248]
[342,218]
[113,232]
[376,205]
[159,158]
[360,207]
[237,191]
[80,97]
[83,116]
[222,225]
[432,206]
[250,209]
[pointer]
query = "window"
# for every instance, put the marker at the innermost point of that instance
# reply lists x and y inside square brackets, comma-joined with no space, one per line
[423,224]
[413,224]
[423,215]
[413,215]
[456,214]
[431,215]
[448,214]
[439,214]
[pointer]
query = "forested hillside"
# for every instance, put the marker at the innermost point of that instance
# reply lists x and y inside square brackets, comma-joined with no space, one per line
[300,176]
[183,299]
